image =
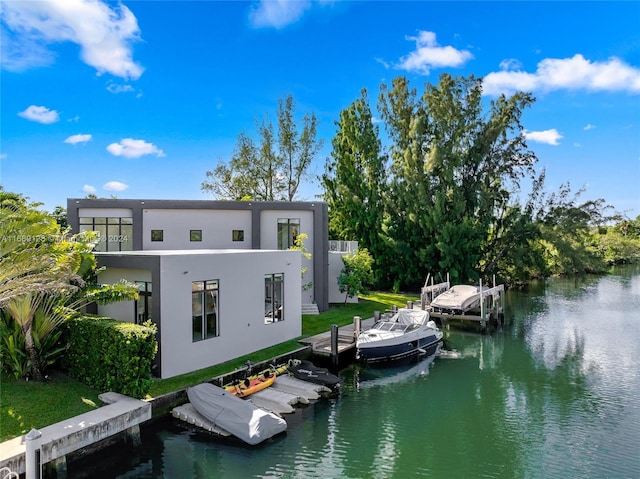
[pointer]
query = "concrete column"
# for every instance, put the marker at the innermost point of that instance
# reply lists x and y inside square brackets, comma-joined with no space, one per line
[33,468]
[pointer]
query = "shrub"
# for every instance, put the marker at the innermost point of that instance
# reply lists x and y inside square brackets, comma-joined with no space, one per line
[111,355]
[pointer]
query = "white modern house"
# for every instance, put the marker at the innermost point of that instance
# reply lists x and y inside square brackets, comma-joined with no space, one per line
[210,306]
[216,277]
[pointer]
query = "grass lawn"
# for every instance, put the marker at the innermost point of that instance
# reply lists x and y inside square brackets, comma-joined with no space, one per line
[27,404]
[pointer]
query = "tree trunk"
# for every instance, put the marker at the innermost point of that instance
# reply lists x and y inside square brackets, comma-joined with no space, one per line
[33,355]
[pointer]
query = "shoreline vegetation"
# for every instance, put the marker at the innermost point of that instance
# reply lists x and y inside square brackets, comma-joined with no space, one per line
[25,405]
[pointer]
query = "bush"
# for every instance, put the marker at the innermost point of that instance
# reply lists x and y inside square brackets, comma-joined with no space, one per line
[111,355]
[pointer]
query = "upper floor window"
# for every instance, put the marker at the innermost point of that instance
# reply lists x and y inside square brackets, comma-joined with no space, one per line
[157,235]
[204,309]
[195,235]
[288,230]
[237,235]
[114,234]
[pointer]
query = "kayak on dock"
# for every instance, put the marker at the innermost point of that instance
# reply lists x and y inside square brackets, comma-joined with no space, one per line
[251,384]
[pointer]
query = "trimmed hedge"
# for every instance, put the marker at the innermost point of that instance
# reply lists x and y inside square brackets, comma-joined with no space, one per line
[110,355]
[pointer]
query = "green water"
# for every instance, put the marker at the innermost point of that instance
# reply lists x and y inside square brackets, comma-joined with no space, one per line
[556,393]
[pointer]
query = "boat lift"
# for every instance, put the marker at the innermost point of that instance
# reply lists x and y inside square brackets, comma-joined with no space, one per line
[491,304]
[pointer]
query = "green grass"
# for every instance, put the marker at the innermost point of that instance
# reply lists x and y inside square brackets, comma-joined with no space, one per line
[27,404]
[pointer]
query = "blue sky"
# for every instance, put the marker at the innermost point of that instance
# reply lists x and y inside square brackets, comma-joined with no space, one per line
[139,99]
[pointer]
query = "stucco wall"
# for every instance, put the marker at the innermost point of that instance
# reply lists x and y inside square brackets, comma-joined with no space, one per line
[122,310]
[216,227]
[241,306]
[269,240]
[335,267]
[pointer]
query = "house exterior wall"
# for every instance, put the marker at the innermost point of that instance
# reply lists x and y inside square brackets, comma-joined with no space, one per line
[122,310]
[241,288]
[253,217]
[216,226]
[269,240]
[335,267]
[241,306]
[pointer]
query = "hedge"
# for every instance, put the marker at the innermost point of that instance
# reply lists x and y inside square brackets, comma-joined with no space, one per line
[110,355]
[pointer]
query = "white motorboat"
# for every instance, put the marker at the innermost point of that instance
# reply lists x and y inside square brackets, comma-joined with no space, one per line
[405,333]
[459,299]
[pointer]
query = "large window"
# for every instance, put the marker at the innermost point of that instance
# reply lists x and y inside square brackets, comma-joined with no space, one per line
[288,230]
[143,303]
[273,297]
[114,234]
[204,309]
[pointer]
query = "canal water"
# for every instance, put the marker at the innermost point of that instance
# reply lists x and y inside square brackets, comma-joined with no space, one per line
[555,393]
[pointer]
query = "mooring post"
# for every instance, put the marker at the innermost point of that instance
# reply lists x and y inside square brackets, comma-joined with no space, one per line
[33,468]
[409,304]
[357,326]
[334,344]
[483,312]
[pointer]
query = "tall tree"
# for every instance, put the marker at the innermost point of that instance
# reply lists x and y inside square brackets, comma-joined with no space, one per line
[454,166]
[272,169]
[297,149]
[354,181]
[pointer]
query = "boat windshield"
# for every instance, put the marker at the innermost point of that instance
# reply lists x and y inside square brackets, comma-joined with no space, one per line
[389,326]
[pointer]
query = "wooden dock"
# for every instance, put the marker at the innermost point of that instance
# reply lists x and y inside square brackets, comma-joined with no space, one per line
[346,340]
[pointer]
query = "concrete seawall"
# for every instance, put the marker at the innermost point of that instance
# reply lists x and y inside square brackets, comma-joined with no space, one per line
[120,417]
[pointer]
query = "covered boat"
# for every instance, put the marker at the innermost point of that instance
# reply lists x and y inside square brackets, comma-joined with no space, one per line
[459,299]
[405,333]
[307,371]
[240,418]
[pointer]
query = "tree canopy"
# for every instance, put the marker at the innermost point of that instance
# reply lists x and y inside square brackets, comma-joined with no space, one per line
[447,199]
[272,168]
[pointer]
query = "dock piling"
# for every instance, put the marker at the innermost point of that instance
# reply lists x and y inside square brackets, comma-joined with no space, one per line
[334,345]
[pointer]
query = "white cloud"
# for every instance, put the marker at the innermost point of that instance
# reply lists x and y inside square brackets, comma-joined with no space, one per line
[550,137]
[114,186]
[589,126]
[41,114]
[74,119]
[130,148]
[277,13]
[89,189]
[3,156]
[104,34]
[575,73]
[115,88]
[428,55]
[75,139]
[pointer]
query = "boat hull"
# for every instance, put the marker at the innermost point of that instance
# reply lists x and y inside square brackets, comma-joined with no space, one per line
[383,351]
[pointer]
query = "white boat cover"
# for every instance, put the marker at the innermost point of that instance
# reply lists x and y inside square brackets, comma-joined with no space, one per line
[411,316]
[241,418]
[460,296]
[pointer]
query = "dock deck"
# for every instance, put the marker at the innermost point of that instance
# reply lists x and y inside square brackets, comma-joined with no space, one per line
[321,343]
